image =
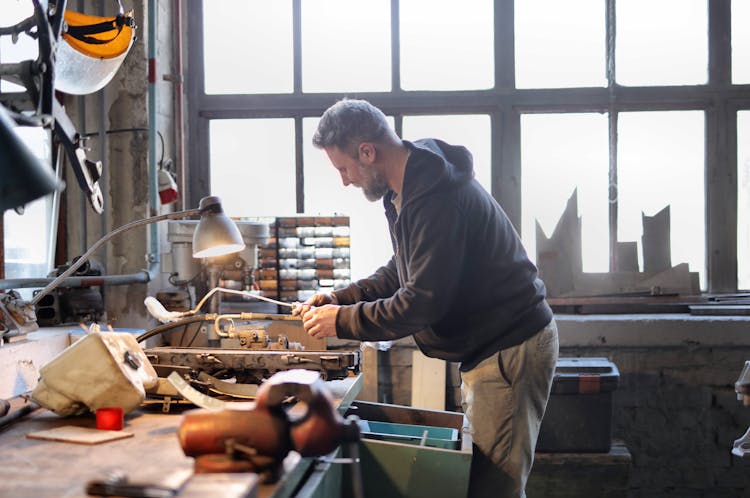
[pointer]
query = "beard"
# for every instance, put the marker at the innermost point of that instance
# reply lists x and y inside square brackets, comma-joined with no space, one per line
[375,185]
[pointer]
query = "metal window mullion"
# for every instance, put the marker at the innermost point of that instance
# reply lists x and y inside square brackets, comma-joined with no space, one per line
[299,166]
[197,173]
[297,45]
[395,46]
[612,120]
[720,156]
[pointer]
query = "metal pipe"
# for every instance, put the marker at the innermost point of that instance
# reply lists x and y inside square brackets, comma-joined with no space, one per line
[178,103]
[141,277]
[98,244]
[153,182]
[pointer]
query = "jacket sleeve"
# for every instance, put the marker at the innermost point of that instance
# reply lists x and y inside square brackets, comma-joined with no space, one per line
[434,247]
[383,283]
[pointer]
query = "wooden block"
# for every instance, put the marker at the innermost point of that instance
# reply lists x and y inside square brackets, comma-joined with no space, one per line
[370,373]
[78,435]
[427,382]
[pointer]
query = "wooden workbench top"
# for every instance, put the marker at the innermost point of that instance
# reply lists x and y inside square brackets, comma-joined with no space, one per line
[52,469]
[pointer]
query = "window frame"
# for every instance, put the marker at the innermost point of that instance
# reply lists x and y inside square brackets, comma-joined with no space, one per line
[719,99]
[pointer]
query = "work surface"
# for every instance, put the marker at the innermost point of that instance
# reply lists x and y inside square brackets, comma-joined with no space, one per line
[40,468]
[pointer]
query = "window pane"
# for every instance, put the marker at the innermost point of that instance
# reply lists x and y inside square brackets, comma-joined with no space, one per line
[28,252]
[473,132]
[248,46]
[252,166]
[561,153]
[346,45]
[661,163]
[662,43]
[743,200]
[740,42]
[560,47]
[325,194]
[444,47]
[26,48]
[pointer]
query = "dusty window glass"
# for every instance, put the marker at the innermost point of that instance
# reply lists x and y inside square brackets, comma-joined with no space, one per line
[444,47]
[26,48]
[662,43]
[29,238]
[248,46]
[559,154]
[558,46]
[661,163]
[471,131]
[346,45]
[325,195]
[252,166]
[740,42]
[743,200]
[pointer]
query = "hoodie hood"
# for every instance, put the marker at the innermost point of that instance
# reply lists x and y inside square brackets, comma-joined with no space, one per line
[434,166]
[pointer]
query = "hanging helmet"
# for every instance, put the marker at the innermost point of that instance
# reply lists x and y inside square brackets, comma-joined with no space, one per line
[91,50]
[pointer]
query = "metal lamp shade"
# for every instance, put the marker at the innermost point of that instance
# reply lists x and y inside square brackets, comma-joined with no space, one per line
[216,234]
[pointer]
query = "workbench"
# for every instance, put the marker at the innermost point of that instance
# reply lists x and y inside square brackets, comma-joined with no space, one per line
[50,469]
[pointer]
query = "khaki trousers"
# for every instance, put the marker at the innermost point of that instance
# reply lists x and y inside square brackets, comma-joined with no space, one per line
[504,398]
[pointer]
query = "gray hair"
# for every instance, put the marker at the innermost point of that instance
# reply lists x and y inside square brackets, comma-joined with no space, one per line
[350,122]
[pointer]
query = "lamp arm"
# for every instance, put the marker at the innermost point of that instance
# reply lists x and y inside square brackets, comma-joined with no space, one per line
[124,228]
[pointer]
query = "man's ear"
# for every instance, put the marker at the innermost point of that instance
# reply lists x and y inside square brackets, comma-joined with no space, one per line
[367,152]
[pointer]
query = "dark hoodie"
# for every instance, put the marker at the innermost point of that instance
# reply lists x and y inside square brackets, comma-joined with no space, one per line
[460,280]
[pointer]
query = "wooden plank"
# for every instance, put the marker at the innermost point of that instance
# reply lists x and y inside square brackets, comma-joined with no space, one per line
[572,475]
[78,435]
[657,247]
[370,373]
[427,382]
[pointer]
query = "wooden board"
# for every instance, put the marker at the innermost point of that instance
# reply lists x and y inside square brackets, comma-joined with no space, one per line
[78,435]
[427,382]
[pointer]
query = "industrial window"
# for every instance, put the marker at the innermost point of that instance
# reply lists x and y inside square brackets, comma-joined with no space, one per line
[560,154]
[662,43]
[660,164]
[248,157]
[555,54]
[444,47]
[635,105]
[248,47]
[346,46]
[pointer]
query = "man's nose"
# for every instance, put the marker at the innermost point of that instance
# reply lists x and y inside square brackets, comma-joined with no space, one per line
[345,179]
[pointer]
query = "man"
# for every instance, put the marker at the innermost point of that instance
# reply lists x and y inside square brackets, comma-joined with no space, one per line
[460,282]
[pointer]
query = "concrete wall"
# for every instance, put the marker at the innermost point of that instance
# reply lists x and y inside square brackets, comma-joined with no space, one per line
[675,408]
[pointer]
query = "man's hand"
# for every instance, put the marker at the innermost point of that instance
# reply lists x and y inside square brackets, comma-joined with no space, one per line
[320,321]
[319,299]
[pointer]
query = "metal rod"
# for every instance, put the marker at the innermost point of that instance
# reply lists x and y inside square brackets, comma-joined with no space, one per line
[82,281]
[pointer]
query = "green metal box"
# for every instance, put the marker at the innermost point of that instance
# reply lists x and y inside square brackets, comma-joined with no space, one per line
[411,468]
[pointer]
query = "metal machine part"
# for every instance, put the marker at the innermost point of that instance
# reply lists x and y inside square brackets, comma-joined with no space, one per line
[229,440]
[251,366]
[75,304]
[17,316]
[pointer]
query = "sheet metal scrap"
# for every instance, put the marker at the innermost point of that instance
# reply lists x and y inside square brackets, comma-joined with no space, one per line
[252,366]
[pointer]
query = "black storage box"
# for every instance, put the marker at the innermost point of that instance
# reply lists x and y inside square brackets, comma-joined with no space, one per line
[579,413]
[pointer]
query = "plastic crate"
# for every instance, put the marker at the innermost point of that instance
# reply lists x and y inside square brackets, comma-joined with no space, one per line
[579,413]
[422,435]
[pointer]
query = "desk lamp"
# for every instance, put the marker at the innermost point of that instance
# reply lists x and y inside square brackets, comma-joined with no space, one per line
[215,235]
